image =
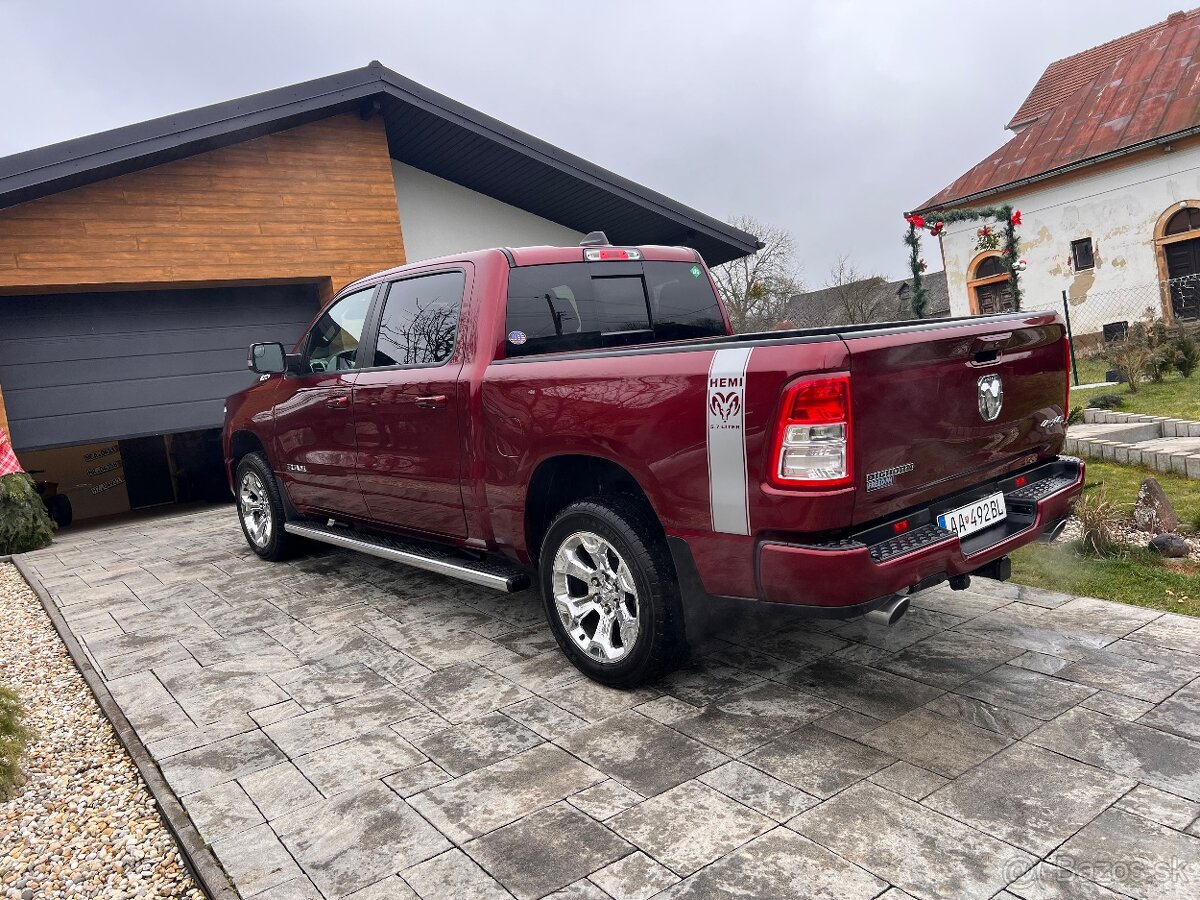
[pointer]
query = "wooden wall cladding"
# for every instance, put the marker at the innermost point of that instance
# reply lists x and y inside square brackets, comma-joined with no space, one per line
[313,203]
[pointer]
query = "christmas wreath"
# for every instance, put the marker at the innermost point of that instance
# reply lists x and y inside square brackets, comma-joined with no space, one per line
[1002,235]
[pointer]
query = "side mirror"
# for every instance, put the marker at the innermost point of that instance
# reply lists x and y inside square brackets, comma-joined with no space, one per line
[267,359]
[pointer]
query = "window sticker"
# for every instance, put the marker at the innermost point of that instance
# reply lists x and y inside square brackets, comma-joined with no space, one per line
[695,271]
[517,337]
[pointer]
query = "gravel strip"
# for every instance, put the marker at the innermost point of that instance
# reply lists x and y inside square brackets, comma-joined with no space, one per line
[1126,532]
[83,824]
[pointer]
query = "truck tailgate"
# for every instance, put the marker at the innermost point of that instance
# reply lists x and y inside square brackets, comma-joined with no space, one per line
[919,422]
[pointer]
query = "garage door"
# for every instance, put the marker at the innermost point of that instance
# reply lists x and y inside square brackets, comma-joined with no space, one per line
[81,368]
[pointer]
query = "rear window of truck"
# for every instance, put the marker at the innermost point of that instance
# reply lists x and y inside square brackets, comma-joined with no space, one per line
[588,306]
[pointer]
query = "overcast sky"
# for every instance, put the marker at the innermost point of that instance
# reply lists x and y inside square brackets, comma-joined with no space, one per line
[827,119]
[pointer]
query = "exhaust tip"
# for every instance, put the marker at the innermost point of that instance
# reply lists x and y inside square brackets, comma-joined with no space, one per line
[1053,531]
[888,614]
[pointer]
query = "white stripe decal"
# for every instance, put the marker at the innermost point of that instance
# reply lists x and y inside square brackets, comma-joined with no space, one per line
[725,406]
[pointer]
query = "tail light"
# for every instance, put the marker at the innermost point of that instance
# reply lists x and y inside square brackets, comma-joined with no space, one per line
[812,443]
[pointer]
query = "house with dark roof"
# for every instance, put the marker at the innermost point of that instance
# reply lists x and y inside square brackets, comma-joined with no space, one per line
[1104,166]
[136,265]
[865,300]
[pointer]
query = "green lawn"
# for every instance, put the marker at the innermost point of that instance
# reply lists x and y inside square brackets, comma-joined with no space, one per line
[1175,396]
[1142,578]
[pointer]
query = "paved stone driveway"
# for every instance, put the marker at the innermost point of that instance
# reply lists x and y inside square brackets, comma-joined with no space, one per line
[339,726]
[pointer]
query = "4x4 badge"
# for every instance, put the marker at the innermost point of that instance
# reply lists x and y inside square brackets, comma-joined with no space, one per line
[991,397]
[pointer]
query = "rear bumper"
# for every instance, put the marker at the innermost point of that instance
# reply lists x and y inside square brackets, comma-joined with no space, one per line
[866,568]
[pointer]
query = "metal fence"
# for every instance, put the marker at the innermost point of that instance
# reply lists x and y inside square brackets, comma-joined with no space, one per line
[1098,320]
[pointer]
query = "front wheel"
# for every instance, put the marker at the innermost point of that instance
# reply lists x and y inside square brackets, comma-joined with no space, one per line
[260,509]
[610,592]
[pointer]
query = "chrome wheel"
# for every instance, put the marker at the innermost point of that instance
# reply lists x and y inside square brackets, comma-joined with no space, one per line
[254,506]
[596,597]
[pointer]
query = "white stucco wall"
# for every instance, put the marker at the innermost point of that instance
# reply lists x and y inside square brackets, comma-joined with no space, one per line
[1117,209]
[440,217]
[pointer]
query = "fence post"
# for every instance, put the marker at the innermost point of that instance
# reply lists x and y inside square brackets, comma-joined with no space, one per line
[1070,337]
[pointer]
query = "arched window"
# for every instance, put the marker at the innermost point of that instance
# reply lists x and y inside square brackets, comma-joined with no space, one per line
[1184,220]
[988,285]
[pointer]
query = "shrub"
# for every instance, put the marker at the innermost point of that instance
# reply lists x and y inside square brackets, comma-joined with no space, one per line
[1187,354]
[1106,401]
[1099,521]
[1075,416]
[1162,350]
[14,737]
[24,524]
[1148,349]
[1132,357]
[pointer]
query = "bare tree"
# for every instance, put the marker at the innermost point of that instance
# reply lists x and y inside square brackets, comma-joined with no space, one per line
[858,298]
[756,288]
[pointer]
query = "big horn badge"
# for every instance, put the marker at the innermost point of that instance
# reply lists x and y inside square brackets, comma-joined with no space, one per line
[991,397]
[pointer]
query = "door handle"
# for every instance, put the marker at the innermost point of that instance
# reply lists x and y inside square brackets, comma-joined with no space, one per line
[338,401]
[433,401]
[987,347]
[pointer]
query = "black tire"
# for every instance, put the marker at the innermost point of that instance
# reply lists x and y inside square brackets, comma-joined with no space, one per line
[630,529]
[275,544]
[59,509]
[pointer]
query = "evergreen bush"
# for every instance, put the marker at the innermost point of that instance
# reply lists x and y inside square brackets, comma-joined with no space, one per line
[14,737]
[24,524]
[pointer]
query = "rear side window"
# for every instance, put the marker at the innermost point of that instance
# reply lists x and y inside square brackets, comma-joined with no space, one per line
[586,306]
[420,320]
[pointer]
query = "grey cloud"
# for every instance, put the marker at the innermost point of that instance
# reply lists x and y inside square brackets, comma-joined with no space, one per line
[828,119]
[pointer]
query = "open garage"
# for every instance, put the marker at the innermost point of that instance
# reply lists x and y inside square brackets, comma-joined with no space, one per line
[136,265]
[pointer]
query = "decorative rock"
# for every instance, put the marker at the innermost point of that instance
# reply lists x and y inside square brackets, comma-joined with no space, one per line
[1171,546]
[1153,511]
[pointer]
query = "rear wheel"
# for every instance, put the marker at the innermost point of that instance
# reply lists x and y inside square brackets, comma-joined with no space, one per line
[260,509]
[610,591]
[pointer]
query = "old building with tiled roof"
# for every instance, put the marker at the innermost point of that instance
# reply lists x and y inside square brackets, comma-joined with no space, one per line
[1104,165]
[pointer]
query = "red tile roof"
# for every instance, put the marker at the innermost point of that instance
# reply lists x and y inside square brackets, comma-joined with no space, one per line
[1134,89]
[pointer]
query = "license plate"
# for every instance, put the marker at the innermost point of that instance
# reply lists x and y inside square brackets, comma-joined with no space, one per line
[978,515]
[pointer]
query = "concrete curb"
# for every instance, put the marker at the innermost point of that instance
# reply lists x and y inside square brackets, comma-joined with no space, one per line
[1120,444]
[196,854]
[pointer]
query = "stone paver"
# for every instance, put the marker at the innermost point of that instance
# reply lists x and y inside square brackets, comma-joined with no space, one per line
[689,826]
[547,850]
[1029,797]
[358,837]
[338,726]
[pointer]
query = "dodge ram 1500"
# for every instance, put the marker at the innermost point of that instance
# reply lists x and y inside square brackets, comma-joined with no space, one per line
[583,418]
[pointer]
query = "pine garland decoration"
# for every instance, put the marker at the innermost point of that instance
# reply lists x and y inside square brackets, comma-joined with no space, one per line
[24,524]
[934,221]
[920,297]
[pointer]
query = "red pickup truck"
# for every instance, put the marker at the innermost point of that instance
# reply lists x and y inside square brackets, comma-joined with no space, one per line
[583,416]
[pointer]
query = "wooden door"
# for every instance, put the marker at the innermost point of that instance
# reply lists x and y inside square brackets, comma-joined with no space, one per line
[993,298]
[1183,268]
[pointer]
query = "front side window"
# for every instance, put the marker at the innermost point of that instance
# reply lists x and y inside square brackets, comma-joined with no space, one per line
[420,320]
[332,345]
[585,306]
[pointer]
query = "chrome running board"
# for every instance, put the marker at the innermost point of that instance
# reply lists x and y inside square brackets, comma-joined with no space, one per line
[443,561]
